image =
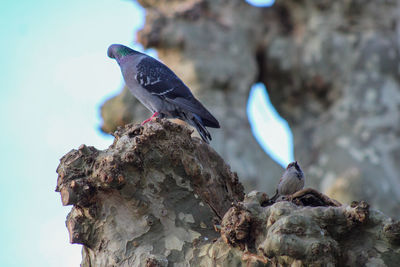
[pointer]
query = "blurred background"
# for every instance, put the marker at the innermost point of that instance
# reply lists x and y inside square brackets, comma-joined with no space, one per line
[332,72]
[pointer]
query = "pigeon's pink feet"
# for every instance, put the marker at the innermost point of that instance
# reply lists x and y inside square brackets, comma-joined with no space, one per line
[149,119]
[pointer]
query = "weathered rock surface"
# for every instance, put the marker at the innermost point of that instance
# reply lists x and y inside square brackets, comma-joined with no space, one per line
[156,196]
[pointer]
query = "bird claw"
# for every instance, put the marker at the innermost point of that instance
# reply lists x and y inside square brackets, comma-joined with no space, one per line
[149,119]
[146,121]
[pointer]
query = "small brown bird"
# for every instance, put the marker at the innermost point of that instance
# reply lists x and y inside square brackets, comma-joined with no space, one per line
[291,181]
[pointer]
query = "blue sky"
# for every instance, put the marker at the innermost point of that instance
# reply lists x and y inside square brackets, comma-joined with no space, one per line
[55,74]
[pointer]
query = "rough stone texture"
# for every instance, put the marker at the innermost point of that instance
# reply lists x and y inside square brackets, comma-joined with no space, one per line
[155,196]
[332,71]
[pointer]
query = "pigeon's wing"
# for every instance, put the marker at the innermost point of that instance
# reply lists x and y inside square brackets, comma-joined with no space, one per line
[159,80]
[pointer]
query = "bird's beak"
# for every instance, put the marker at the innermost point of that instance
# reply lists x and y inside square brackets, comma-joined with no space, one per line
[110,52]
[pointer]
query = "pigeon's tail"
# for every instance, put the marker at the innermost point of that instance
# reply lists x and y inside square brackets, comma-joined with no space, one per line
[198,124]
[210,121]
[204,117]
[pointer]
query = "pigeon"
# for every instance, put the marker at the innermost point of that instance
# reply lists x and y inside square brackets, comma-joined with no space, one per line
[160,90]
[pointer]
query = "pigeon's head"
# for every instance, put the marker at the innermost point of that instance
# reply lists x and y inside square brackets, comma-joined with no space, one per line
[118,51]
[294,168]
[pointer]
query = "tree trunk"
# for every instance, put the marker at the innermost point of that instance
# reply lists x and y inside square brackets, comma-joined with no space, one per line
[332,71]
[212,46]
[156,196]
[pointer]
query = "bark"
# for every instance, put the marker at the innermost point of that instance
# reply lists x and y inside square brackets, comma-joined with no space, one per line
[211,45]
[156,196]
[332,71]
[153,192]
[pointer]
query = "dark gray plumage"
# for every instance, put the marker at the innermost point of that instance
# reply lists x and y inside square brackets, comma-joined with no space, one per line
[160,90]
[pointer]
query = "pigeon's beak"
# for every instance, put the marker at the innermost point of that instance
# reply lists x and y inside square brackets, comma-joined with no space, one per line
[110,52]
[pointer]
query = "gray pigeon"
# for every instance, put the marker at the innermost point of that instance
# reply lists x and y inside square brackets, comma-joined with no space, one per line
[160,90]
